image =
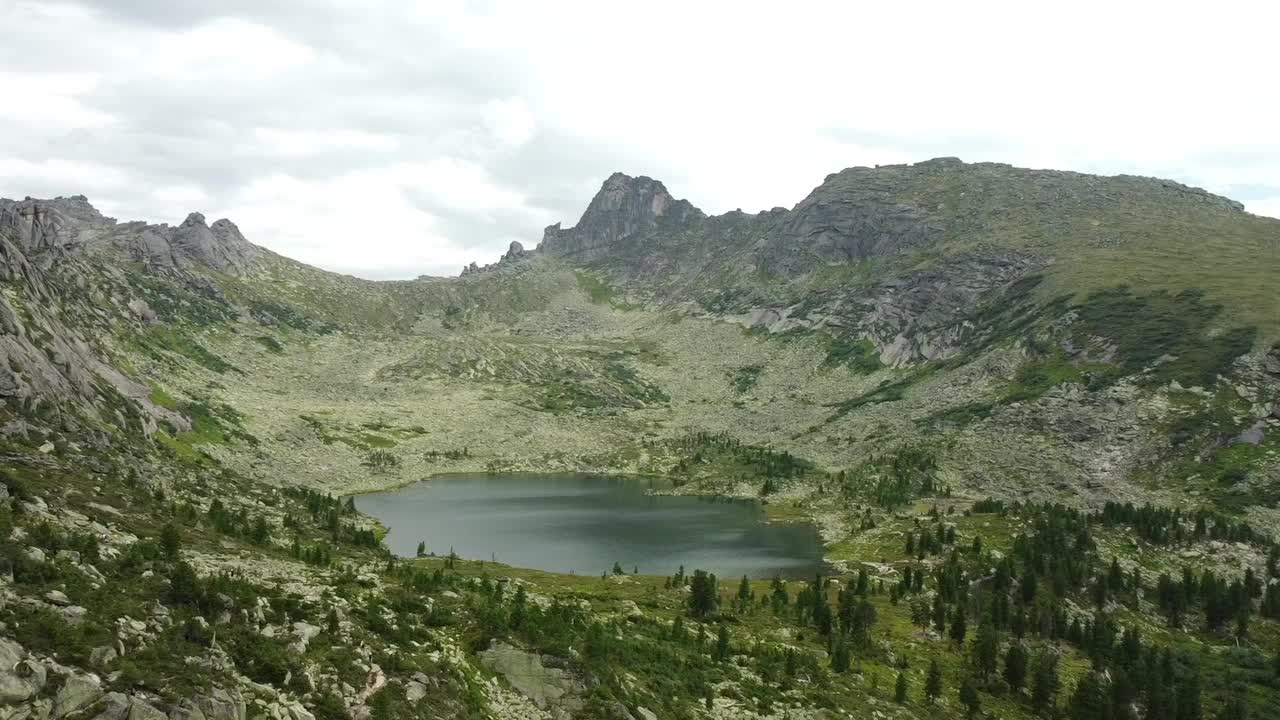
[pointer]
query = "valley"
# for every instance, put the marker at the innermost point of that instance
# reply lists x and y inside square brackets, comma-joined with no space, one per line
[1033,416]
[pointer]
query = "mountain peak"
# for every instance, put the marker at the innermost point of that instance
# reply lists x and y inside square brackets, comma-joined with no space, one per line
[625,209]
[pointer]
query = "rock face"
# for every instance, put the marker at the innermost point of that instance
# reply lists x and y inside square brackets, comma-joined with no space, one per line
[625,210]
[546,686]
[220,247]
[71,224]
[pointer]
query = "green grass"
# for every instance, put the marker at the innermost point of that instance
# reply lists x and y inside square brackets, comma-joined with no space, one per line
[159,339]
[1175,332]
[161,398]
[859,355]
[744,378]
[270,343]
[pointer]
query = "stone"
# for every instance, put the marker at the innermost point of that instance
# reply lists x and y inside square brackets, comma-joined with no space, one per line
[102,656]
[77,691]
[221,705]
[631,610]
[140,709]
[527,673]
[1254,435]
[35,554]
[186,711]
[57,597]
[414,691]
[74,614]
[112,706]
[305,632]
[69,555]
[644,713]
[618,711]
[21,677]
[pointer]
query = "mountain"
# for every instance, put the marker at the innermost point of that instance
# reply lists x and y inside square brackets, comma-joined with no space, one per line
[1027,358]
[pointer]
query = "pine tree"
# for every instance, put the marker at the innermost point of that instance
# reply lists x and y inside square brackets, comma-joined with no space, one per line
[722,643]
[1188,694]
[900,689]
[170,541]
[969,697]
[1015,666]
[840,657]
[704,596]
[986,649]
[959,627]
[744,594]
[933,682]
[422,548]
[939,614]
[1235,709]
[1089,701]
[1044,681]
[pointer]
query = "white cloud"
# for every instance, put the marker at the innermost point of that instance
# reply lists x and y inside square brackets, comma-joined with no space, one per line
[510,121]
[298,143]
[394,139]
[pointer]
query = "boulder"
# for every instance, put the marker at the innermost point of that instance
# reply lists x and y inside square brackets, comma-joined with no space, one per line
[21,677]
[74,614]
[644,713]
[527,673]
[140,709]
[305,632]
[221,705]
[77,691]
[112,706]
[57,597]
[414,691]
[186,711]
[102,656]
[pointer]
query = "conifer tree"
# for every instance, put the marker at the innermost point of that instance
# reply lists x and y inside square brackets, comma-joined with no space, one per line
[933,682]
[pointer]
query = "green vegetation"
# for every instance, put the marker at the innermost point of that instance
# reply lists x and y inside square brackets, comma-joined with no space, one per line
[1172,331]
[859,355]
[270,343]
[158,340]
[744,378]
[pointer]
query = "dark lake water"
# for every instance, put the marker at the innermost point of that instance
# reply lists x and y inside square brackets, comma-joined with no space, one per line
[585,523]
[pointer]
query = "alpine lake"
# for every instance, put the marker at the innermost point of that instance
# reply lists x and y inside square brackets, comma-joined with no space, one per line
[585,524]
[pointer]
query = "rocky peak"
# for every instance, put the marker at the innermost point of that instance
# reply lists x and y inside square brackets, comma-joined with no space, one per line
[515,251]
[625,209]
[40,225]
[220,247]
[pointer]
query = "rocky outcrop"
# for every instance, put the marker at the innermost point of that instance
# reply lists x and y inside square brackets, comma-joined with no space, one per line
[41,225]
[539,678]
[515,251]
[220,247]
[624,211]
[71,224]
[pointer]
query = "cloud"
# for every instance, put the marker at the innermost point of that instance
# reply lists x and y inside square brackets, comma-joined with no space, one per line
[391,139]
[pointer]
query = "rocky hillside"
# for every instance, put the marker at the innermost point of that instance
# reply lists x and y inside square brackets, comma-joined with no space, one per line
[941,349]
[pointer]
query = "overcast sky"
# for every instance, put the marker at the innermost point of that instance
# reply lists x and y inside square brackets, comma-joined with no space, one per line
[391,139]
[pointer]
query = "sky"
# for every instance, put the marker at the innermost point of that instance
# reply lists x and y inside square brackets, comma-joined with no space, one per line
[390,139]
